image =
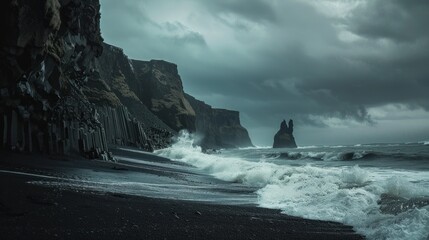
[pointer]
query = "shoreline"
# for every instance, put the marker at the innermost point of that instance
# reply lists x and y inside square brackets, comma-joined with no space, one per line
[29,211]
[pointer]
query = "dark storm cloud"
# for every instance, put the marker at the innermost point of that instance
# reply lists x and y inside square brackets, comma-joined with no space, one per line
[278,59]
[182,35]
[395,67]
[396,19]
[254,10]
[129,23]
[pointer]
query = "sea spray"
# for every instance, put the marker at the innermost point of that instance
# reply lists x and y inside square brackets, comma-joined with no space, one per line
[349,194]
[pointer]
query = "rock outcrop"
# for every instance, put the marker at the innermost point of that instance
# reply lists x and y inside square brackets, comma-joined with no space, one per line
[112,85]
[160,87]
[218,128]
[284,137]
[47,51]
[65,91]
[56,96]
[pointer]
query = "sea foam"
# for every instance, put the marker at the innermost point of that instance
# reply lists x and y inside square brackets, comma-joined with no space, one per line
[347,194]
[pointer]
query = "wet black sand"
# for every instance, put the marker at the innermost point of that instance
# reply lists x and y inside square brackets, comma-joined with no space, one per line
[29,211]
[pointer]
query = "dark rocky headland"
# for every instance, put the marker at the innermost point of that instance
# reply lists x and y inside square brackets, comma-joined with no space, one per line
[64,91]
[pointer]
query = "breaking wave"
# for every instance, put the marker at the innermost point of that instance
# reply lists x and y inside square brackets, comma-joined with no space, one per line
[345,156]
[348,194]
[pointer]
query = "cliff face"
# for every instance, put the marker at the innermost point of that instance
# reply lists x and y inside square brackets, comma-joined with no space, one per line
[219,128]
[62,93]
[47,52]
[159,86]
[112,85]
[152,91]
[57,97]
[284,137]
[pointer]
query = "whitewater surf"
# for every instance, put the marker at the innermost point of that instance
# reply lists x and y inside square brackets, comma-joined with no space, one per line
[382,190]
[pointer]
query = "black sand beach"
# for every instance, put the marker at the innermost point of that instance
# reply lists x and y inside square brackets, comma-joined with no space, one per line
[33,211]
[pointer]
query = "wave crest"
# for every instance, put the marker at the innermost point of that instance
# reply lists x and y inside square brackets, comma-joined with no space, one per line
[350,195]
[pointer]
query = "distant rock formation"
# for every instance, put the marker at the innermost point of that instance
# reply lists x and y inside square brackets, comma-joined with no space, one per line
[160,87]
[219,128]
[284,137]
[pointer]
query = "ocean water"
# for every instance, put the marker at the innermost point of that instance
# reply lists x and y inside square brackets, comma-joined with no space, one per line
[382,190]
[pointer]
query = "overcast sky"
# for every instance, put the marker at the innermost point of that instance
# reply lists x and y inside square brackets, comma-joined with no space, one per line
[346,71]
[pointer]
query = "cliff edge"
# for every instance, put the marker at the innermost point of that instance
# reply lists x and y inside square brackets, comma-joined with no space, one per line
[218,128]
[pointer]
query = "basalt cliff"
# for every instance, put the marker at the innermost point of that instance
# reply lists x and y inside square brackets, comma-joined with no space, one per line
[218,128]
[47,53]
[64,91]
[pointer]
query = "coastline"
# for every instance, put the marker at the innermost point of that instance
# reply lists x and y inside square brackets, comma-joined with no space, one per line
[31,211]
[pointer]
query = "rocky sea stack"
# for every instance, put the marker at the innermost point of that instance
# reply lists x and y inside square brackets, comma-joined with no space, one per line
[284,137]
